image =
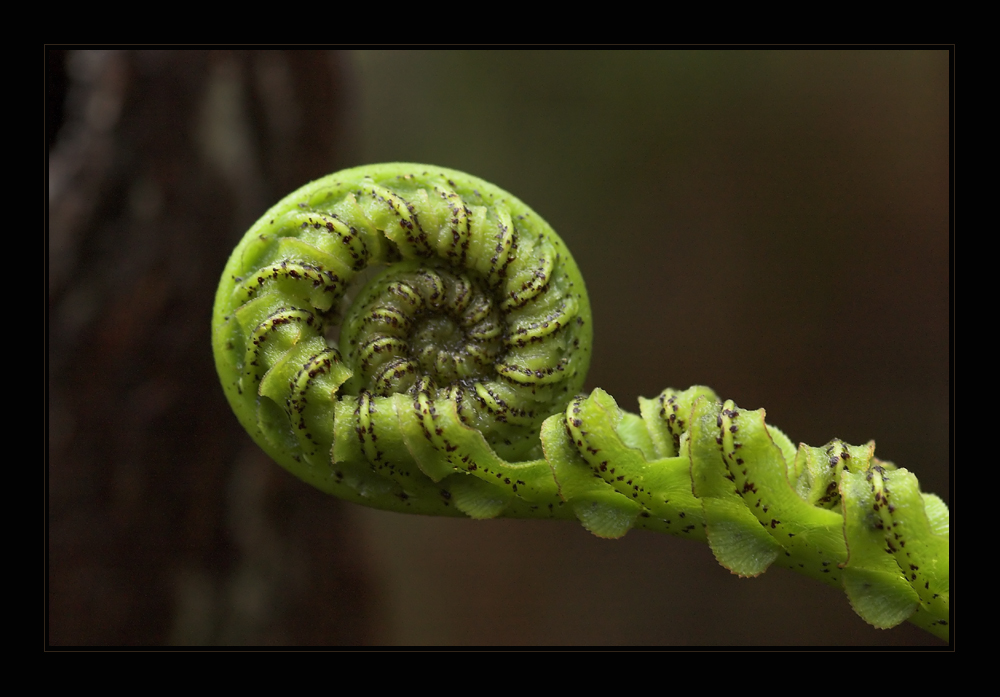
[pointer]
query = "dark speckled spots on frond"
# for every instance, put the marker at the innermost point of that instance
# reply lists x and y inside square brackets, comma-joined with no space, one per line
[455,390]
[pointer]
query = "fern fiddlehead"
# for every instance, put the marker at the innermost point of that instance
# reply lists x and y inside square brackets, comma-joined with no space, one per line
[453,389]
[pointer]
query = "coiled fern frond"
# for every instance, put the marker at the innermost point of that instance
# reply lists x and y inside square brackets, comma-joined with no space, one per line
[453,388]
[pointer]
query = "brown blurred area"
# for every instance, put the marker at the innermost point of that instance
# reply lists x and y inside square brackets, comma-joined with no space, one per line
[774,224]
[166,525]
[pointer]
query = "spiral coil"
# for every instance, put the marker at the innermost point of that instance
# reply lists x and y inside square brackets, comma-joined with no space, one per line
[480,316]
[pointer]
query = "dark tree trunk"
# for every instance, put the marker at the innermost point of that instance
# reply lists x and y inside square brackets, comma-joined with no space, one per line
[166,523]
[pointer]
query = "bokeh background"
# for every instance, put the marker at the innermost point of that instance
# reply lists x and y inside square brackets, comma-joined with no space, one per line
[774,224]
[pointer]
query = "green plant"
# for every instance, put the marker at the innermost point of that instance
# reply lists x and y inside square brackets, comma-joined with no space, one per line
[455,391]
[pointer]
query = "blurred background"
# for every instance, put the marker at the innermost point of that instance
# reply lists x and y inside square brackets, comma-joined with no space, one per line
[774,224]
